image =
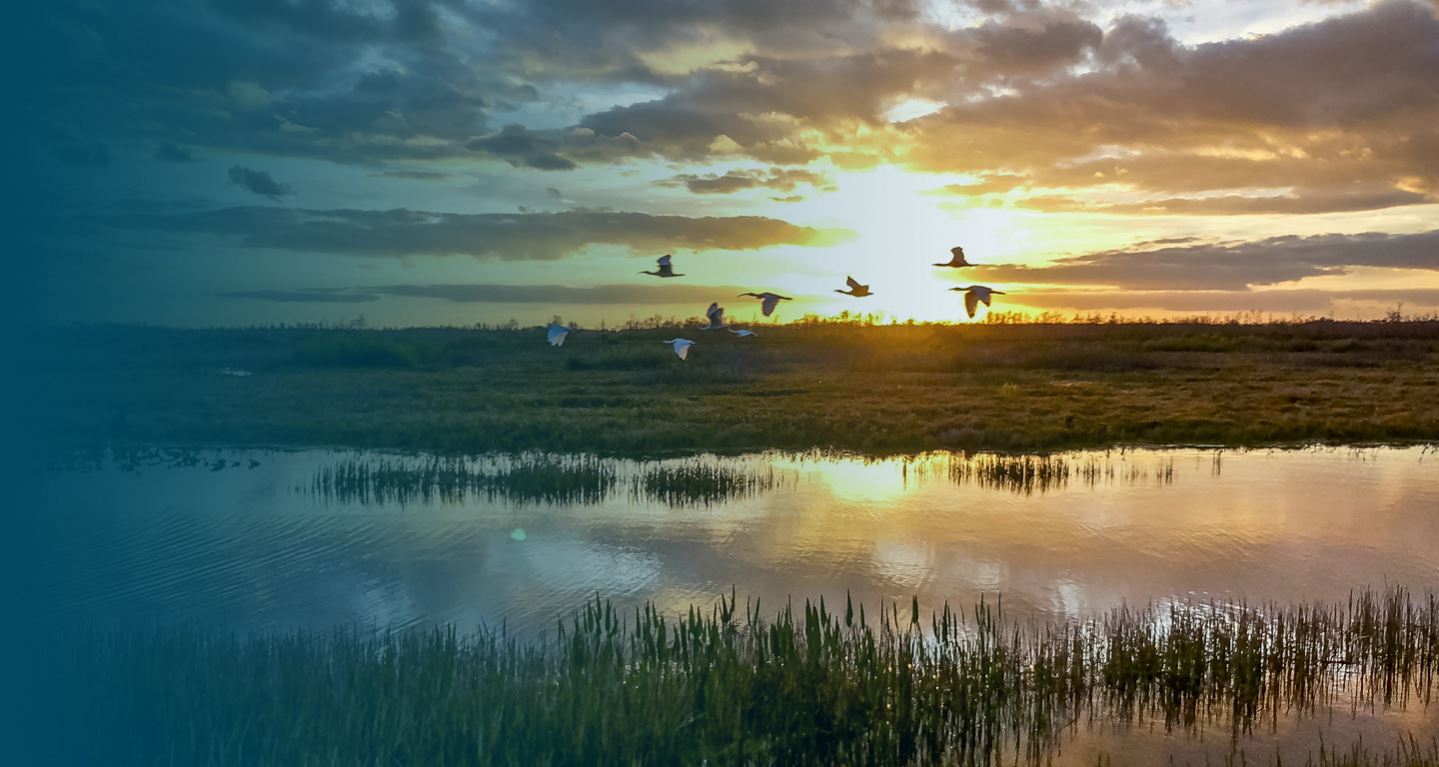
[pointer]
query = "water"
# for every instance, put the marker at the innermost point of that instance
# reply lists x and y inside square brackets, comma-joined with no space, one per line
[260,540]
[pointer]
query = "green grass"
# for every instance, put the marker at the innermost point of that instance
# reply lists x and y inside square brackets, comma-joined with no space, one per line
[809,686]
[858,388]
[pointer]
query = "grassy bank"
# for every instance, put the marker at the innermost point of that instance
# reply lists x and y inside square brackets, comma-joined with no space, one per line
[849,387]
[809,686]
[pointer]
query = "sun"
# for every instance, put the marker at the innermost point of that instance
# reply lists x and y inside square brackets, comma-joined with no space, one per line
[901,227]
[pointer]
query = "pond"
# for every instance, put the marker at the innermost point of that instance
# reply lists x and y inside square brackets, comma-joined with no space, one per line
[316,538]
[263,540]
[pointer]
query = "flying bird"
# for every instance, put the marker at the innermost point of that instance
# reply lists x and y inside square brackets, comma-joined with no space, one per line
[716,317]
[665,268]
[681,347]
[768,301]
[855,289]
[556,333]
[974,294]
[956,258]
[743,333]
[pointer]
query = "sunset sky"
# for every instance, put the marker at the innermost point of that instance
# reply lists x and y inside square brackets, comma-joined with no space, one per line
[419,162]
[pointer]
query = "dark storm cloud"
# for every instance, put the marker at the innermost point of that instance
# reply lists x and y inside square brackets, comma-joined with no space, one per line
[259,182]
[400,232]
[1234,266]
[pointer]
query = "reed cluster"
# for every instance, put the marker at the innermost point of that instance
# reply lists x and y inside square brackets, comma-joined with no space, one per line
[527,478]
[811,685]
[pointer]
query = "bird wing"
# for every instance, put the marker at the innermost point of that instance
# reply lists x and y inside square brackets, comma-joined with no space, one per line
[971,302]
[715,313]
[682,348]
[556,334]
[853,283]
[768,303]
[663,261]
[984,295]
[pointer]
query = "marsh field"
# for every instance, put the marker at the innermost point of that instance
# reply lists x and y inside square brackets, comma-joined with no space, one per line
[832,544]
[839,386]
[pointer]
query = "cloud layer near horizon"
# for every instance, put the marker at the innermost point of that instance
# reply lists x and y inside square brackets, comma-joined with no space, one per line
[513,236]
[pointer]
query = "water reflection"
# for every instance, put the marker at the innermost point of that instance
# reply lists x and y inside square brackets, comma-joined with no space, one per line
[585,480]
[317,537]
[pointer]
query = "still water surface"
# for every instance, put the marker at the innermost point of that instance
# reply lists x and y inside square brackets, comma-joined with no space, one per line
[262,539]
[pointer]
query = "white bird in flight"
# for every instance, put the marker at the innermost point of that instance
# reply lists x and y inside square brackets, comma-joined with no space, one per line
[855,289]
[768,301]
[743,333]
[956,259]
[681,347]
[975,294]
[716,317]
[666,269]
[556,333]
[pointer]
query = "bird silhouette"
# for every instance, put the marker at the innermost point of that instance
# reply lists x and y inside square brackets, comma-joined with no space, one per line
[716,317]
[681,347]
[666,269]
[855,289]
[976,294]
[556,334]
[956,259]
[768,301]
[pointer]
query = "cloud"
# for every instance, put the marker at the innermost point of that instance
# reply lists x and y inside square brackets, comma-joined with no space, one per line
[521,147]
[1239,205]
[699,295]
[1230,266]
[171,152]
[403,232]
[1341,112]
[259,182]
[1203,301]
[646,295]
[306,296]
[781,179]
[417,175]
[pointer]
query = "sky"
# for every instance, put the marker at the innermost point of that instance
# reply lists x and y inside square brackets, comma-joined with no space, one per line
[453,162]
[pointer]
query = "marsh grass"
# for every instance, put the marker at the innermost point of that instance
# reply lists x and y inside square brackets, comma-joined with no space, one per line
[1026,474]
[449,479]
[876,390]
[702,483]
[811,685]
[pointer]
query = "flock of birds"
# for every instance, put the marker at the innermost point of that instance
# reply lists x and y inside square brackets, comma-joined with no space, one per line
[974,295]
